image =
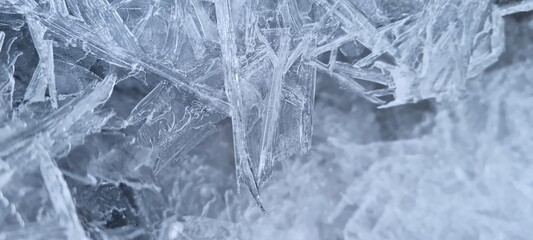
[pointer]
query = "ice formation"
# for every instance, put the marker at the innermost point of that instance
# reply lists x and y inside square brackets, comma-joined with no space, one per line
[380,119]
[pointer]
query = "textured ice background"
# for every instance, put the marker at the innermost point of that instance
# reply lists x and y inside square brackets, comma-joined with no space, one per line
[250,119]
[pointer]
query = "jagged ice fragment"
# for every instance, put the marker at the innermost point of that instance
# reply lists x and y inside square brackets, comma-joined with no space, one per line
[344,119]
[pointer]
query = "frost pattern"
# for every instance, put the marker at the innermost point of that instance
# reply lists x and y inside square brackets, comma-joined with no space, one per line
[116,118]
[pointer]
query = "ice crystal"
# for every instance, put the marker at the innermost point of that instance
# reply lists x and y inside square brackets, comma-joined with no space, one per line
[380,119]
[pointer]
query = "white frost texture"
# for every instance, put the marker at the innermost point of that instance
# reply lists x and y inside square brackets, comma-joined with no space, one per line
[266,119]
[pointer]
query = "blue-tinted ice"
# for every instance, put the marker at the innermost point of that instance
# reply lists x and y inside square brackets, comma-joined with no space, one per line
[343,119]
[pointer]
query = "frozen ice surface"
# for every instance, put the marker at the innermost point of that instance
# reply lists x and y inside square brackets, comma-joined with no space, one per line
[343,119]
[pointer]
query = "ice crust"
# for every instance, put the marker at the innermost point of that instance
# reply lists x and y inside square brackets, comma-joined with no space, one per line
[344,119]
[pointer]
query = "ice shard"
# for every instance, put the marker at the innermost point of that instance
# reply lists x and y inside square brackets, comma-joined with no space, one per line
[255,74]
[45,68]
[413,57]
[344,119]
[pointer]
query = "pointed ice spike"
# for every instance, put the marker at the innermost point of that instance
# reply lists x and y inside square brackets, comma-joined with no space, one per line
[269,112]
[246,169]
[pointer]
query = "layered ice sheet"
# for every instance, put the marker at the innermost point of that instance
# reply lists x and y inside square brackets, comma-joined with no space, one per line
[141,119]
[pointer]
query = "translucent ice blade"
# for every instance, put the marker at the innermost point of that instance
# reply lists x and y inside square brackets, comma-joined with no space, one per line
[370,75]
[246,169]
[335,43]
[240,93]
[461,40]
[36,187]
[348,82]
[59,194]
[308,74]
[74,30]
[209,29]
[7,80]
[266,162]
[291,14]
[99,15]
[264,103]
[159,35]
[60,120]
[296,113]
[356,23]
[474,14]
[43,78]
